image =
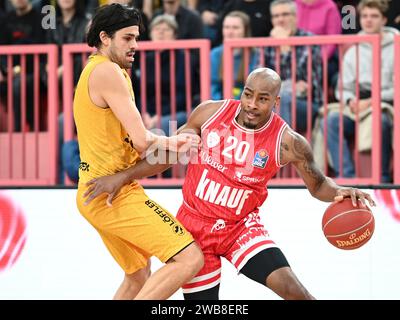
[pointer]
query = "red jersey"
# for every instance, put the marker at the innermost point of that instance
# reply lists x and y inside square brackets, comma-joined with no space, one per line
[228,178]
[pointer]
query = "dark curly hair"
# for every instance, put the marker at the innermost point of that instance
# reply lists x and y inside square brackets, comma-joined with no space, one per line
[111,18]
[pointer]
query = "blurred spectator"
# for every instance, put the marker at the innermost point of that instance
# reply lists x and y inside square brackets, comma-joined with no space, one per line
[91,6]
[71,159]
[189,22]
[7,5]
[21,26]
[150,6]
[39,4]
[321,17]
[284,21]
[257,10]
[372,21]
[192,4]
[71,26]
[210,11]
[190,27]
[71,23]
[236,25]
[164,28]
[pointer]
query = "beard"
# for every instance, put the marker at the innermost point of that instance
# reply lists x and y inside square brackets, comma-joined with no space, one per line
[127,65]
[249,125]
[120,61]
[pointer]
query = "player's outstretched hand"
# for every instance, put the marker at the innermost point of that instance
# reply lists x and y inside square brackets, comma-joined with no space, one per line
[183,142]
[354,194]
[108,184]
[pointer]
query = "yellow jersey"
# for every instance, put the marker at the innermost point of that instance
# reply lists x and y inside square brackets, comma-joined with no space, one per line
[104,145]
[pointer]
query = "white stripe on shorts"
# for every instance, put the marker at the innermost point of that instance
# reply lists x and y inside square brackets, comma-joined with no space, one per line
[204,276]
[203,287]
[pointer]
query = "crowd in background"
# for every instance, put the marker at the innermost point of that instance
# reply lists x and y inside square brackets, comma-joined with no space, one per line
[217,20]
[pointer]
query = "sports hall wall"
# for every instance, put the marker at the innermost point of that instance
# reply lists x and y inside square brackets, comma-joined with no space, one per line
[50,252]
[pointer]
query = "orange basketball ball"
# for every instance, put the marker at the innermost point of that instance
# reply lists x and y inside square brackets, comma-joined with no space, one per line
[348,227]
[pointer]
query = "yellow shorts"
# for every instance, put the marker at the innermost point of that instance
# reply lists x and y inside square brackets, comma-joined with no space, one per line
[135,227]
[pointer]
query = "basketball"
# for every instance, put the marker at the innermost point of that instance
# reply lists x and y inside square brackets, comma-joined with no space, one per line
[348,227]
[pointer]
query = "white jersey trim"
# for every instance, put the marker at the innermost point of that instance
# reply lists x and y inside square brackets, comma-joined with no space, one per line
[278,146]
[215,115]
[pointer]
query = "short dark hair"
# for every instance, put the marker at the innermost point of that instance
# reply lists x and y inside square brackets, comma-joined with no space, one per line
[110,19]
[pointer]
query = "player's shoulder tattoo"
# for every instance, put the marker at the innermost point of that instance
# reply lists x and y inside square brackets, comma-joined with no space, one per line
[301,148]
[284,148]
[303,156]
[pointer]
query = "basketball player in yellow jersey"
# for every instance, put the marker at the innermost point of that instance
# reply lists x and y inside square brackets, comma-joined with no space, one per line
[111,136]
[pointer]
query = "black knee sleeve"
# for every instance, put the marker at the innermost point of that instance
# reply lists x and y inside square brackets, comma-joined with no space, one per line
[259,267]
[209,294]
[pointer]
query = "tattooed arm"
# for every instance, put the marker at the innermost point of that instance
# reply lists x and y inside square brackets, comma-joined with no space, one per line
[296,150]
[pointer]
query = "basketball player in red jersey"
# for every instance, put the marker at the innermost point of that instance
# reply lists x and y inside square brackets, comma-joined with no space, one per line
[245,143]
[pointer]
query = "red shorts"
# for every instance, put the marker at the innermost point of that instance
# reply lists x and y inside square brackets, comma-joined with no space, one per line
[237,241]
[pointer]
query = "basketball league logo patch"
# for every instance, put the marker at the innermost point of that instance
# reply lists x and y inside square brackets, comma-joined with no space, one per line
[260,159]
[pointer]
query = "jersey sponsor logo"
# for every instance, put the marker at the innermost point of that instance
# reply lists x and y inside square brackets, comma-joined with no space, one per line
[246,179]
[128,141]
[255,230]
[260,159]
[205,158]
[252,219]
[224,196]
[179,230]
[166,218]
[252,235]
[84,166]
[213,139]
[218,225]
[255,233]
